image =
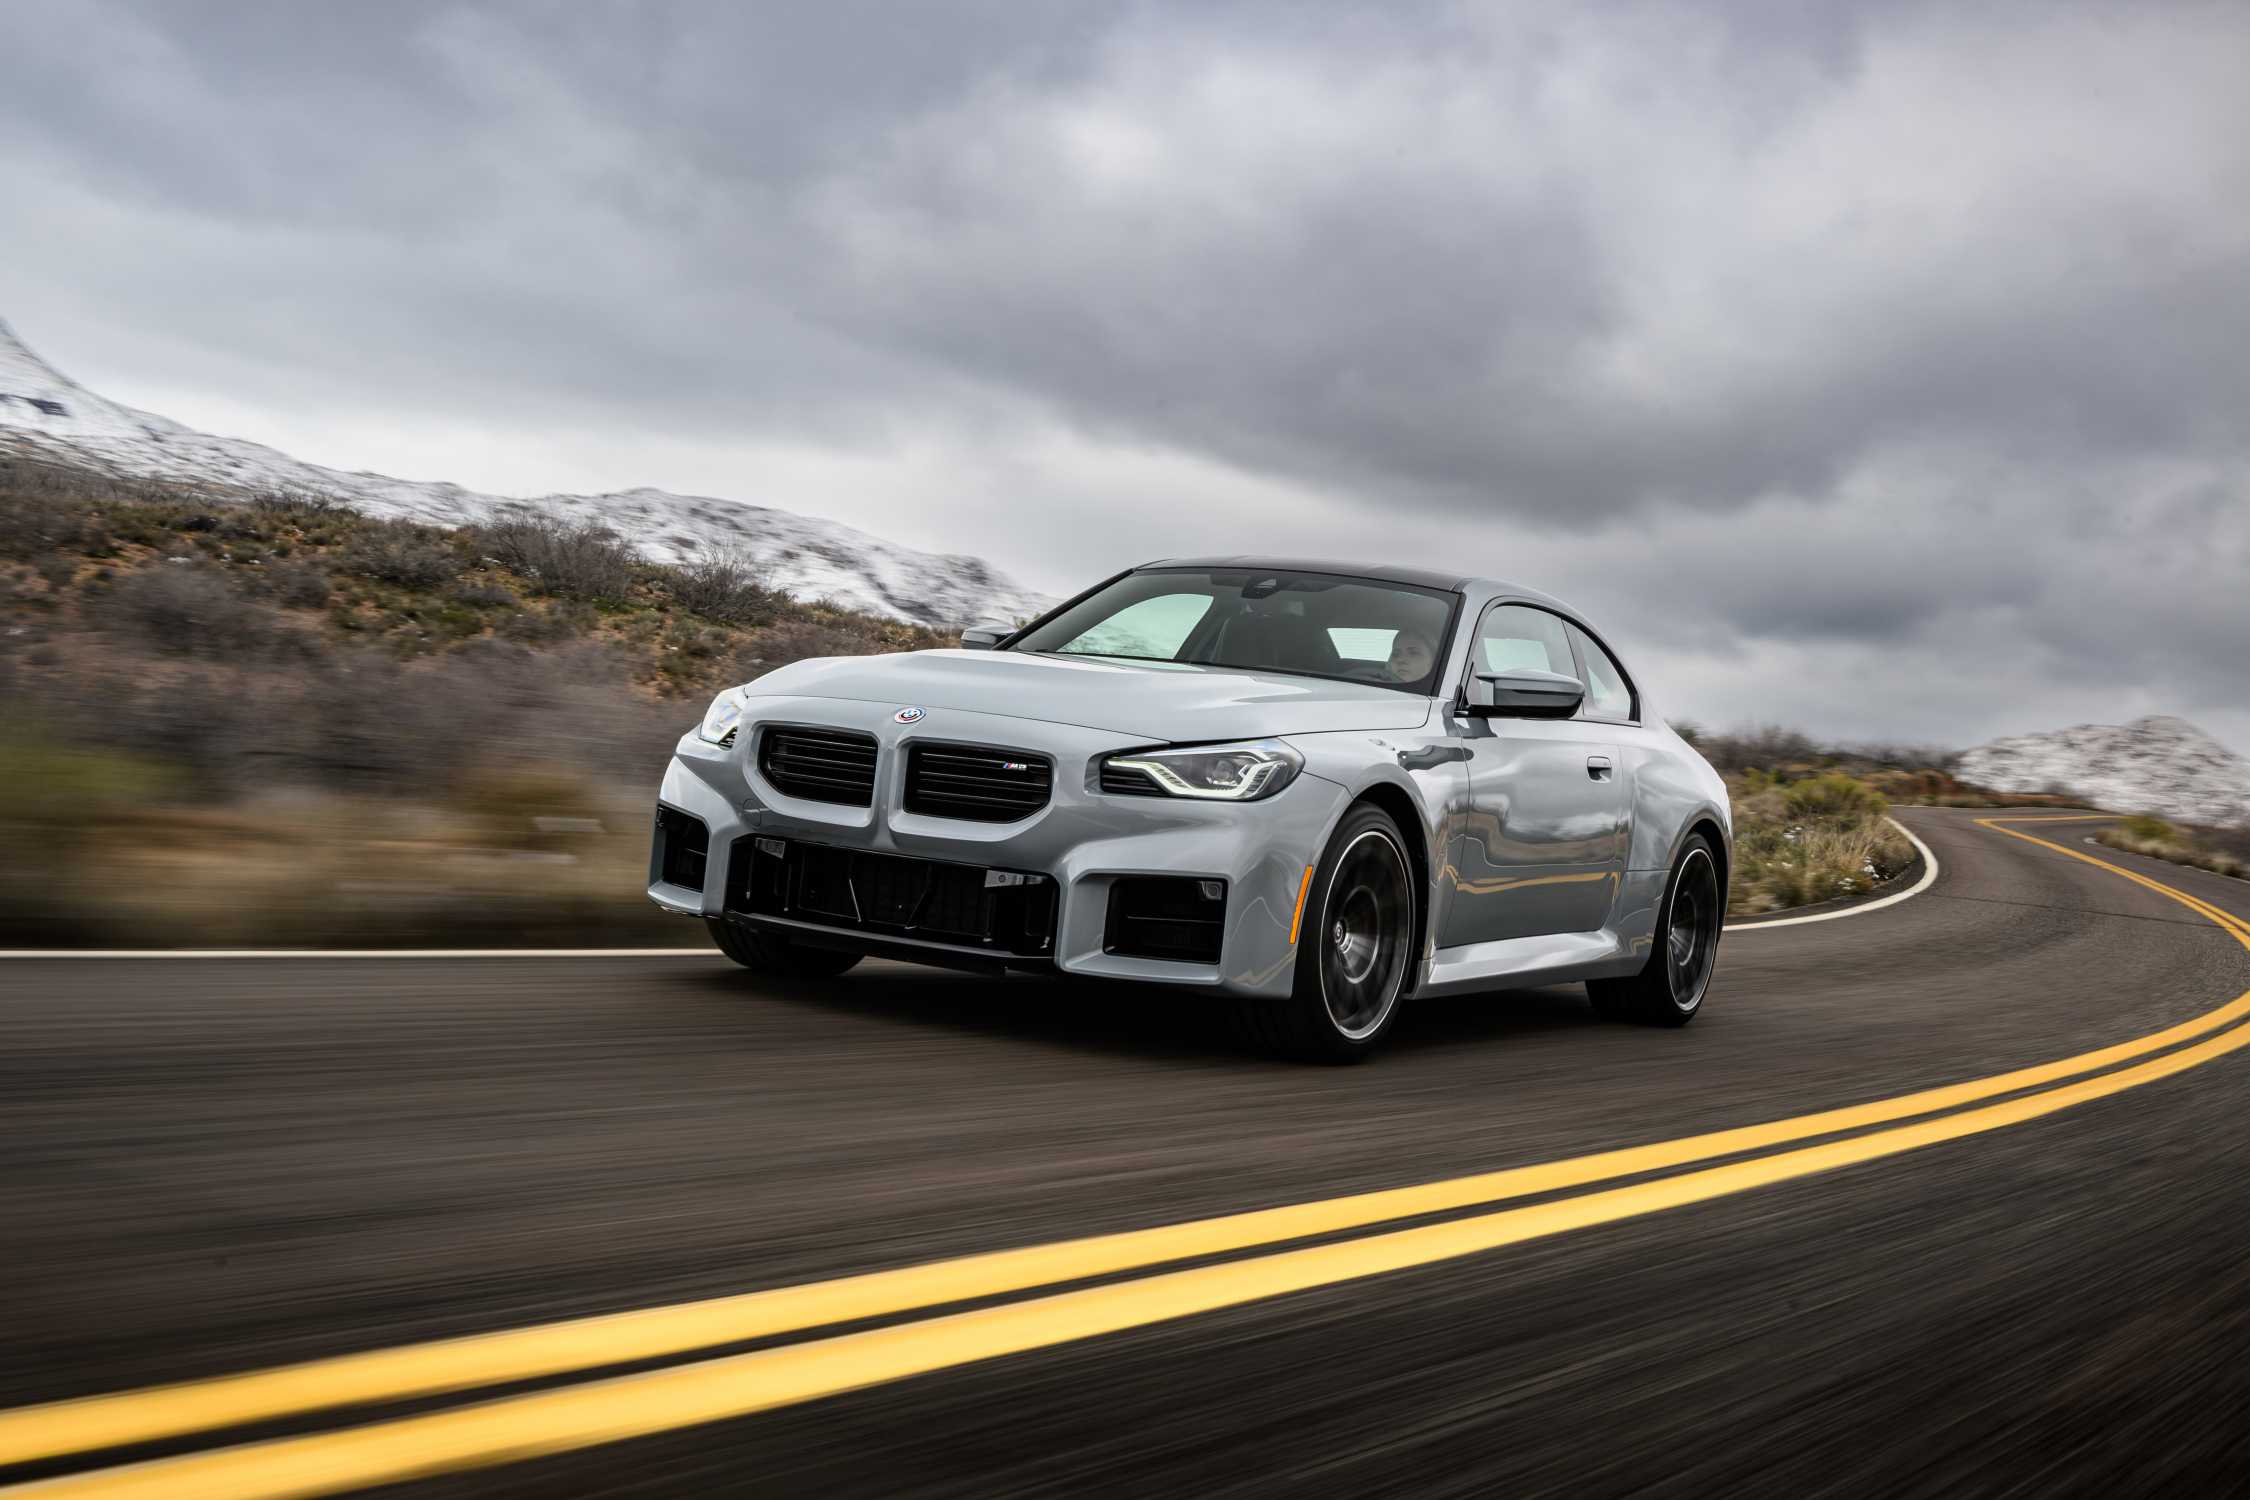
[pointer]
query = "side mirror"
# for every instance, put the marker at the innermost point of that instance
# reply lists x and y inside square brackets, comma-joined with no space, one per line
[1524,694]
[985,637]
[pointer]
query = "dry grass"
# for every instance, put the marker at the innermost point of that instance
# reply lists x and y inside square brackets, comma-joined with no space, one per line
[1811,819]
[273,720]
[1933,788]
[1919,775]
[1812,840]
[2162,840]
[558,862]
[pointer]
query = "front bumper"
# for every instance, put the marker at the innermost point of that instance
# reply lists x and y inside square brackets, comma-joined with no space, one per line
[1085,840]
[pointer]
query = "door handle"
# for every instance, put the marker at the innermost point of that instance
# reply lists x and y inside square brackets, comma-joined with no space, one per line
[1597,766]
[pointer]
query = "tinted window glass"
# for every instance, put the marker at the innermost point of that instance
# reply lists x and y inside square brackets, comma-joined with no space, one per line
[1608,695]
[1309,624]
[1362,645]
[1516,637]
[1153,627]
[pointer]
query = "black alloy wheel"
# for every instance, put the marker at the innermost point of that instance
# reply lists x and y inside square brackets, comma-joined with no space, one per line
[1670,988]
[1691,929]
[1355,948]
[1367,925]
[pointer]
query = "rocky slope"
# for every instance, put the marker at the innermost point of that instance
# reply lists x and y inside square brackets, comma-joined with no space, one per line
[47,415]
[2158,765]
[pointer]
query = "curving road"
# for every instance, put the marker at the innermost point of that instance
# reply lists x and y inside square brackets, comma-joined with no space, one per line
[228,1166]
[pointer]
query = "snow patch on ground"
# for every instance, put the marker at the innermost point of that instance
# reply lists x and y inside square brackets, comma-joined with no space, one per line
[2159,765]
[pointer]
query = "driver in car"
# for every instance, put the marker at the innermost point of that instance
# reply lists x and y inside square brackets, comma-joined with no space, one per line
[1412,655]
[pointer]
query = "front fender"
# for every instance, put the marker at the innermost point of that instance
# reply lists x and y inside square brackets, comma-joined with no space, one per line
[1421,779]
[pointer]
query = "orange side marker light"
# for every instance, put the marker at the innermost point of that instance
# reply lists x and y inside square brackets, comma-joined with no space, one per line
[1298,920]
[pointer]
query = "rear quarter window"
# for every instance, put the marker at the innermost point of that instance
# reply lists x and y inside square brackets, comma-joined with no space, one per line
[1608,694]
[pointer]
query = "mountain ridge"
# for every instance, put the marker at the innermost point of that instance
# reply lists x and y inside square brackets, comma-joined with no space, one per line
[45,414]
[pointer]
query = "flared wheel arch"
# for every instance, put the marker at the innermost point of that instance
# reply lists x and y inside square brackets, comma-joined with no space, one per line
[1406,812]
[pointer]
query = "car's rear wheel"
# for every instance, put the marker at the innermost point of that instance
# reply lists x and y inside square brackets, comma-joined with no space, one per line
[1355,948]
[1670,988]
[763,953]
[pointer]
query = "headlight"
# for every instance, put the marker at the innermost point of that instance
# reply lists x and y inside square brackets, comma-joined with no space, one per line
[1216,773]
[723,717]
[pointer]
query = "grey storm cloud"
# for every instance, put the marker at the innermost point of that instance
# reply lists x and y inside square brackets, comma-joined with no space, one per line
[1877,365]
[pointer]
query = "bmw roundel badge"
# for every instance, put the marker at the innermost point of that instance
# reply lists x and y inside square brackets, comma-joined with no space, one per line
[908,715]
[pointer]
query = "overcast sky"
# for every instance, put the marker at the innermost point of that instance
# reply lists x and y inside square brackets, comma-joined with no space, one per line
[1882,369]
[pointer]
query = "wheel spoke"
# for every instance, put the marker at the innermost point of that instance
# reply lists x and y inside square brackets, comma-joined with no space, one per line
[1364,935]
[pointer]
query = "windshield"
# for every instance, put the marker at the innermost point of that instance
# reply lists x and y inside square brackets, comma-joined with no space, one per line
[1309,624]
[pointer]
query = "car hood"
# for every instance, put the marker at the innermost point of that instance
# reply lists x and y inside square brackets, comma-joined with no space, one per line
[1155,701]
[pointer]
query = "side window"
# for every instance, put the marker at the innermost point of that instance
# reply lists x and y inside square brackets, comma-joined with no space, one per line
[1514,637]
[1152,628]
[1608,694]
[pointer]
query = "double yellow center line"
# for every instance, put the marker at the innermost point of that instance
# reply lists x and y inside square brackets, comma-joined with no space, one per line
[608,1410]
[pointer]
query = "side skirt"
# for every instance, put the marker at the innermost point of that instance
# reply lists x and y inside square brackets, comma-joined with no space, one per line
[1555,957]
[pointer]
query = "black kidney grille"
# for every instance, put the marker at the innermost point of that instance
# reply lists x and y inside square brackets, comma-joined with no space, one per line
[1124,781]
[982,785]
[819,765]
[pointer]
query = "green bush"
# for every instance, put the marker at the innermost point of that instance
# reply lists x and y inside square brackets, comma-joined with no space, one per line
[1834,796]
[1809,841]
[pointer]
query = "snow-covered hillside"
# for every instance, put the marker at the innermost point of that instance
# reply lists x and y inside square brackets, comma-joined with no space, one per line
[46,414]
[2156,765]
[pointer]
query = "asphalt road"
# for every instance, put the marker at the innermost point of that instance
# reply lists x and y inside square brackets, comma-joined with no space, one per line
[215,1166]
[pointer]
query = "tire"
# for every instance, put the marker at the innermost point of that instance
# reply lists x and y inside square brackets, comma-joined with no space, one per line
[762,953]
[1670,989]
[1355,950]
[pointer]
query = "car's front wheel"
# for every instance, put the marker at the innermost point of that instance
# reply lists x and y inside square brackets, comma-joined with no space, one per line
[1670,988]
[1355,948]
[763,953]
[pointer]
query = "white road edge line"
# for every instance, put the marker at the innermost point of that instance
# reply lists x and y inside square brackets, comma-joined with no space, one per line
[1929,874]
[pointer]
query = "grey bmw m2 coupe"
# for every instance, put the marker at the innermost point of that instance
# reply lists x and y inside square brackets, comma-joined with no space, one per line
[1313,790]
